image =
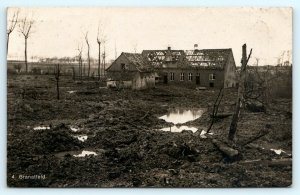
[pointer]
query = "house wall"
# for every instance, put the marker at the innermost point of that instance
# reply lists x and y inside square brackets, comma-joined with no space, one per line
[203,73]
[143,81]
[230,78]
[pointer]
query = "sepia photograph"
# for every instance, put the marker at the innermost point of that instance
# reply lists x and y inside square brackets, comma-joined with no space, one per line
[140,97]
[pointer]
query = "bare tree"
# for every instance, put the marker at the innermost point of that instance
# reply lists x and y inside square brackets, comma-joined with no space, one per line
[240,96]
[57,75]
[11,24]
[135,45]
[103,56]
[25,29]
[99,52]
[80,60]
[88,52]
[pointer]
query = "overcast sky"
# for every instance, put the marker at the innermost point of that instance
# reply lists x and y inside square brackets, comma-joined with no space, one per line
[58,31]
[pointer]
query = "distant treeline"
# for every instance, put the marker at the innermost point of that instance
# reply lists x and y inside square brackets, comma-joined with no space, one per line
[15,67]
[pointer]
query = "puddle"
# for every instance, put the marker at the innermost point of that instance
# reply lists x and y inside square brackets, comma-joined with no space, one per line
[179,116]
[70,92]
[278,152]
[81,137]
[85,153]
[41,128]
[74,129]
[179,128]
[203,134]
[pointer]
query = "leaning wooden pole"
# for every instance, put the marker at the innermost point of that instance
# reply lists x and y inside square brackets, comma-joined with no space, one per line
[240,95]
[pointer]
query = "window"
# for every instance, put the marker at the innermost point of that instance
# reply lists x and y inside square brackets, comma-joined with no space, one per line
[182,76]
[172,76]
[212,77]
[190,76]
[124,67]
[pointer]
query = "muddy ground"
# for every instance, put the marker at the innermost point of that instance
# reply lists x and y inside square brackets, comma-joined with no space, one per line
[122,128]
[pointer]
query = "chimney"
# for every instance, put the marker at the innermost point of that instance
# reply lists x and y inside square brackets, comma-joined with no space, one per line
[195,46]
[168,57]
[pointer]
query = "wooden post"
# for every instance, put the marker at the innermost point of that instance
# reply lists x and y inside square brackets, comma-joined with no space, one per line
[240,96]
[57,74]
[215,109]
[74,74]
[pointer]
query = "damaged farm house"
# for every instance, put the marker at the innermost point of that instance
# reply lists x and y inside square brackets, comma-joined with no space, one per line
[207,68]
[186,117]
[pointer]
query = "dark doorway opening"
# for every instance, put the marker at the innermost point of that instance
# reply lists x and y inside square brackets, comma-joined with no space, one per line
[211,85]
[197,80]
[166,79]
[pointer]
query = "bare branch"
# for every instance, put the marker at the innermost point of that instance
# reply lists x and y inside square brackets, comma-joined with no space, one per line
[79,48]
[13,22]
[25,27]
[98,36]
[86,38]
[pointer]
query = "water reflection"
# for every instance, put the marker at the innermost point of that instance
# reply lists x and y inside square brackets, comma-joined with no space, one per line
[179,116]
[85,153]
[278,152]
[81,138]
[74,129]
[41,128]
[179,129]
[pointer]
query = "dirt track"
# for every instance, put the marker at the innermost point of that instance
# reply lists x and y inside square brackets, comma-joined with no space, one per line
[122,128]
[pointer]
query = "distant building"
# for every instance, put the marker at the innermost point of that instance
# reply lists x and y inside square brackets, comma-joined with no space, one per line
[205,68]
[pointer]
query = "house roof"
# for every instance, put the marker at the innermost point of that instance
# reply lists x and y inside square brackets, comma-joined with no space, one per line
[208,57]
[138,61]
[203,57]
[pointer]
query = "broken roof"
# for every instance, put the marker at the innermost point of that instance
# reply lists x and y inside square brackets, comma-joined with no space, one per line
[195,58]
[208,57]
[138,61]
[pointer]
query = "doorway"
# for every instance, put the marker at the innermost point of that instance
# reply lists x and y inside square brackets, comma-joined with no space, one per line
[197,80]
[165,79]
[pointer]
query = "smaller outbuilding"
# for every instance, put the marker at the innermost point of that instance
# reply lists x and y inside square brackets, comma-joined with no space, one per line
[131,70]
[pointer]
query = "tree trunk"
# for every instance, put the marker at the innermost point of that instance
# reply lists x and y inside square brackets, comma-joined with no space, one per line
[57,88]
[57,75]
[104,65]
[74,74]
[89,64]
[99,61]
[79,68]
[7,43]
[228,151]
[26,65]
[240,96]
[83,68]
